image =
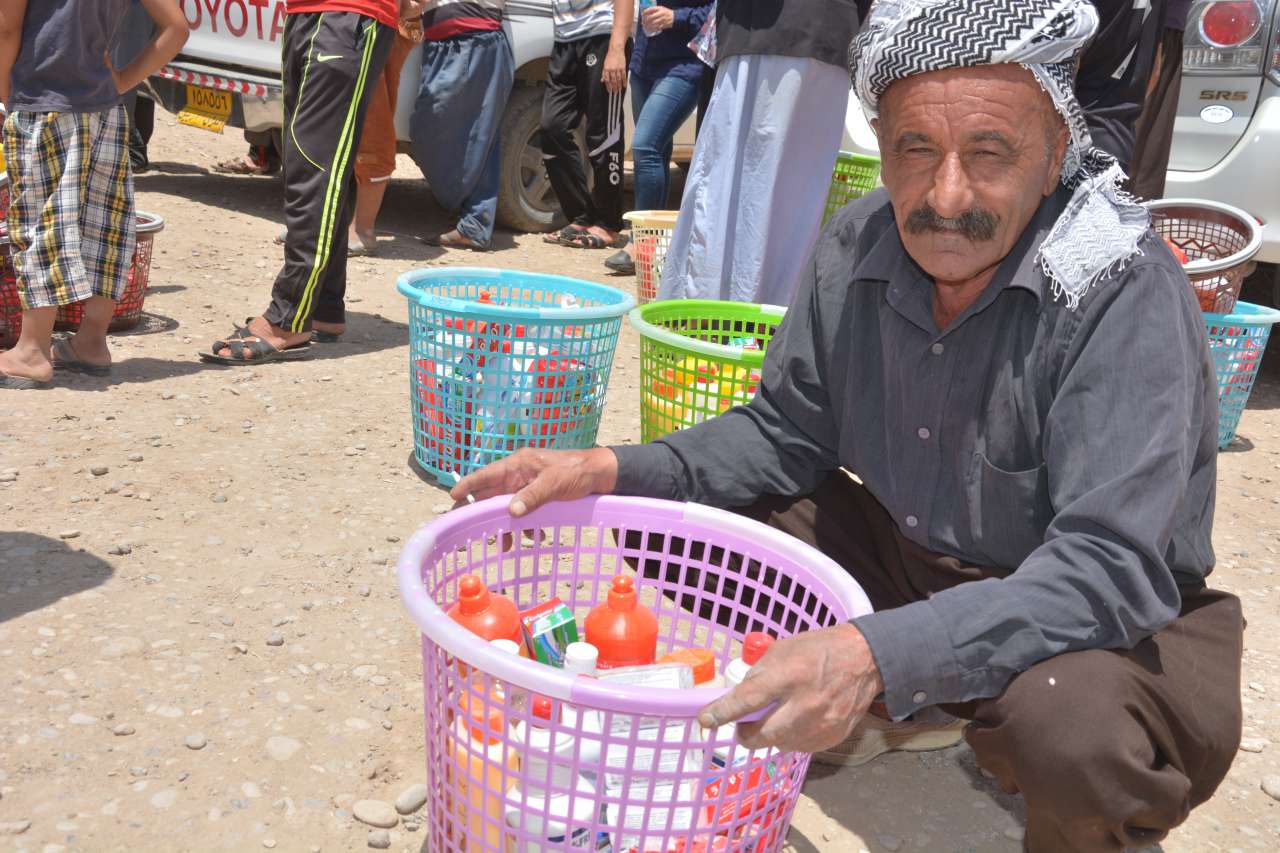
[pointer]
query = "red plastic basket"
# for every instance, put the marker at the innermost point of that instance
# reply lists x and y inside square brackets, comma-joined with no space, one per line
[128,309]
[1219,242]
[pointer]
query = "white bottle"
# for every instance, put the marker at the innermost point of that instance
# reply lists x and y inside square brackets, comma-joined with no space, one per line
[580,660]
[518,697]
[554,819]
[754,645]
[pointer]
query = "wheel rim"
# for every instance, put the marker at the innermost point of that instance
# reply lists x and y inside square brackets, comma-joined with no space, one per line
[535,185]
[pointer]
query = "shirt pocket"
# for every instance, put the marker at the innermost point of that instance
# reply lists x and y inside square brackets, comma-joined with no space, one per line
[1010,511]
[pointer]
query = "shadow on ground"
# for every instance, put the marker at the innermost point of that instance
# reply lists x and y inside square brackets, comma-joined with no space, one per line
[36,571]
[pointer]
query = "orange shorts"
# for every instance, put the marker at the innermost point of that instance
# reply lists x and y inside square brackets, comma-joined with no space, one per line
[376,157]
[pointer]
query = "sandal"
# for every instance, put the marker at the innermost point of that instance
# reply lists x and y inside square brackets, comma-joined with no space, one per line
[621,262]
[66,358]
[564,236]
[587,240]
[9,382]
[239,166]
[455,240]
[260,351]
[319,337]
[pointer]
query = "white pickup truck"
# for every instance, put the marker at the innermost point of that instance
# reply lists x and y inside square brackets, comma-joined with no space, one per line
[229,75]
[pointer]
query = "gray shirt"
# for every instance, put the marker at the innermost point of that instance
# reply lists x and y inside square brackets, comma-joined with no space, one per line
[61,65]
[1077,448]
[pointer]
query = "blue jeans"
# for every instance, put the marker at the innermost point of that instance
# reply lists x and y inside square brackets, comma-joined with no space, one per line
[660,107]
[453,133]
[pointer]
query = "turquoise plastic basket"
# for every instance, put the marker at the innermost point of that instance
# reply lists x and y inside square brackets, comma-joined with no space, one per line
[1237,342]
[500,360]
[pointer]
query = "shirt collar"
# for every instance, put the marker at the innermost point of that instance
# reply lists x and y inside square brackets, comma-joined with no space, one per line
[888,261]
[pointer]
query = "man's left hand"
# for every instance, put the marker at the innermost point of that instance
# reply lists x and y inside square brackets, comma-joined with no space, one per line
[823,682]
[615,70]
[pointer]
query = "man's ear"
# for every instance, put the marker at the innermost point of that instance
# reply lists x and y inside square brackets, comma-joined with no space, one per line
[1058,153]
[875,128]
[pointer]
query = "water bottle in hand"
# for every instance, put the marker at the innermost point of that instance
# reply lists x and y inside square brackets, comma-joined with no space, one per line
[647,4]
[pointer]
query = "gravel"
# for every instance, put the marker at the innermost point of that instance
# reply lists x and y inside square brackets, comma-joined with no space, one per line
[375,813]
[281,748]
[275,639]
[380,839]
[411,799]
[195,741]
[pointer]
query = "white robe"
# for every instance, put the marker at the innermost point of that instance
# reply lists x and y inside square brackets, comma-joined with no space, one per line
[760,175]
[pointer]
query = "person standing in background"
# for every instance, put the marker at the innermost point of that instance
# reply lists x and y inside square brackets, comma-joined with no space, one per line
[132,36]
[467,73]
[376,156]
[587,79]
[665,79]
[71,218]
[1114,70]
[334,52]
[1155,125]
[753,200]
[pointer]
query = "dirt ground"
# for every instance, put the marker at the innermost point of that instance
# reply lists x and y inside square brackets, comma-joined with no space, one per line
[161,526]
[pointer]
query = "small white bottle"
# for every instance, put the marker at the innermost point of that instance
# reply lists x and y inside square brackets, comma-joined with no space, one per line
[580,660]
[518,697]
[555,819]
[754,645]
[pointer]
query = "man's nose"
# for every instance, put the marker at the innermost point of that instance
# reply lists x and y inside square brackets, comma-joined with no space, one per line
[951,194]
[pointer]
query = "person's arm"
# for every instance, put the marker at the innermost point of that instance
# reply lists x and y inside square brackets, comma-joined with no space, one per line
[1120,440]
[691,18]
[781,443]
[171,35]
[12,13]
[614,74]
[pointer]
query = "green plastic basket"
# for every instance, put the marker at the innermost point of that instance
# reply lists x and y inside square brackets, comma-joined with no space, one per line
[854,176]
[698,358]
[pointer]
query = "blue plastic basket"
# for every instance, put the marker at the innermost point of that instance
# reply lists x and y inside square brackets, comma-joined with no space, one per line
[500,360]
[1237,342]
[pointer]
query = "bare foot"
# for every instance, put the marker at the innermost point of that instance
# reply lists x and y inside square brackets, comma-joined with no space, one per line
[260,329]
[361,242]
[610,237]
[26,363]
[455,239]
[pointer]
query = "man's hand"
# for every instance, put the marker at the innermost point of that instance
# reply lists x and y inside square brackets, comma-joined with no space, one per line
[615,69]
[540,476]
[823,682]
[657,18]
[411,8]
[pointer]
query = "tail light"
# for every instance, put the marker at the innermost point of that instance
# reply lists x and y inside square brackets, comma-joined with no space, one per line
[1228,36]
[1273,70]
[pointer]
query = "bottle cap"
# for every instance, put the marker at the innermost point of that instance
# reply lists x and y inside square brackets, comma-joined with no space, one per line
[473,596]
[622,594]
[701,661]
[754,646]
[580,658]
[508,646]
[541,709]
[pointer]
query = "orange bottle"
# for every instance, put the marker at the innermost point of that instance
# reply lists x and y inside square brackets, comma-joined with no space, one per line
[701,661]
[623,630]
[486,614]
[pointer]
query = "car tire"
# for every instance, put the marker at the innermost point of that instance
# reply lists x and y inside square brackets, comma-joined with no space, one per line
[526,201]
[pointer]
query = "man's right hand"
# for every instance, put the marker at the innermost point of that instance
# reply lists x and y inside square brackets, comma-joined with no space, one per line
[541,476]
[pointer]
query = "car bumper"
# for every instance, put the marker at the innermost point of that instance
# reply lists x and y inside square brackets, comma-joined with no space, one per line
[1244,178]
[257,103]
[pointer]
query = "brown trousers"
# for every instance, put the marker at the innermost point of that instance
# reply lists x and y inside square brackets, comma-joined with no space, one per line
[1137,739]
[1154,134]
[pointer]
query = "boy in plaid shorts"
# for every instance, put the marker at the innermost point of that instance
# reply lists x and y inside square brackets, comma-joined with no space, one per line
[71,218]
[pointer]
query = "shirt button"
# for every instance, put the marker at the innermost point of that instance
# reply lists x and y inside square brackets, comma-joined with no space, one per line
[923,432]
[919,697]
[912,521]
[936,349]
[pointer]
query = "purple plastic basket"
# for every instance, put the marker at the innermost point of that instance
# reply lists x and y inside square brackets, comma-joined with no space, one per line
[638,773]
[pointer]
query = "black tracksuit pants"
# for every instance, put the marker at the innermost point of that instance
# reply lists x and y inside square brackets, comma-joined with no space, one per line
[574,90]
[331,62]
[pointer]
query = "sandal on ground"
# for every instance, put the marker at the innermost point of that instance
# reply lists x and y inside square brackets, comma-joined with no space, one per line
[260,351]
[239,166]
[9,382]
[455,240]
[66,358]
[564,236]
[319,337]
[621,262]
[587,240]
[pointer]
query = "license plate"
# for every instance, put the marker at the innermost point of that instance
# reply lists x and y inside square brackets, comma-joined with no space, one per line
[206,108]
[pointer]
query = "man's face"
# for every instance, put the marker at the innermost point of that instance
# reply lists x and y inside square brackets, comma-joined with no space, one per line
[968,154]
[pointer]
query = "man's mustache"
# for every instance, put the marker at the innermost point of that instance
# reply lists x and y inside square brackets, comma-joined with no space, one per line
[976,224]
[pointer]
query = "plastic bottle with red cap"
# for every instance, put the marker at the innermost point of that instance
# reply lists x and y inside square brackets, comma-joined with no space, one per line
[727,752]
[486,614]
[481,751]
[624,631]
[544,815]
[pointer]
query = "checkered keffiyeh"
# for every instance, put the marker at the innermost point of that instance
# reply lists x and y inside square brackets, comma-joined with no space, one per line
[1101,226]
